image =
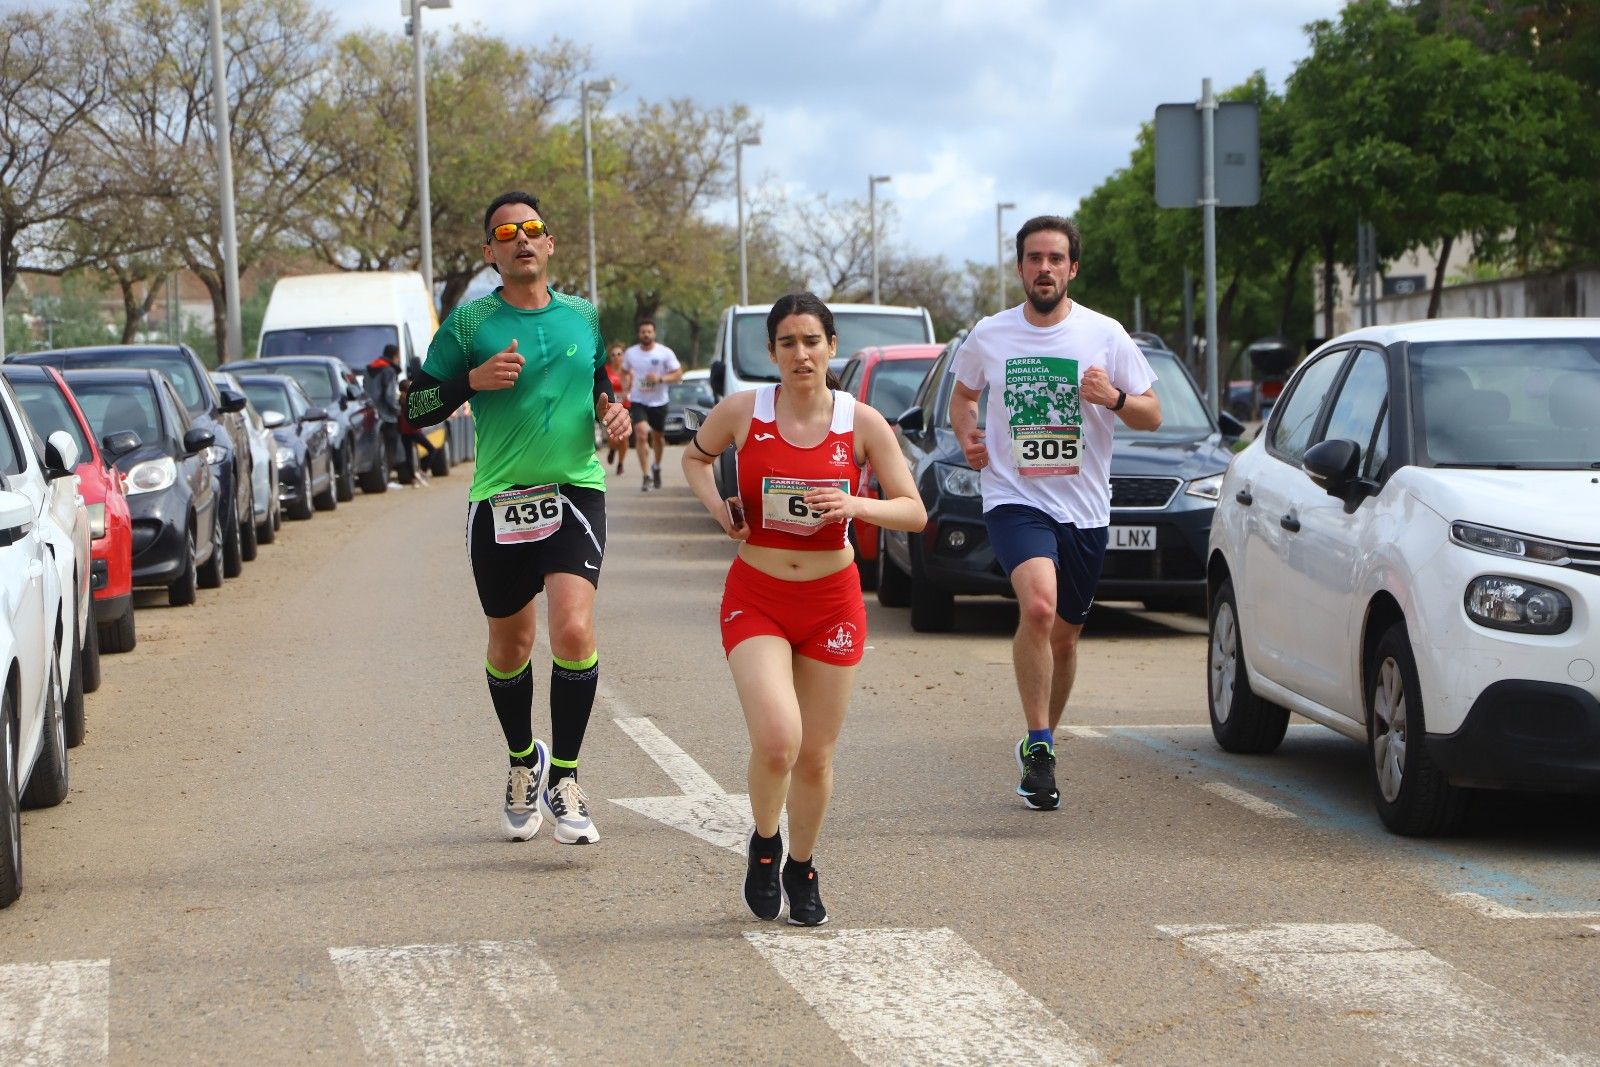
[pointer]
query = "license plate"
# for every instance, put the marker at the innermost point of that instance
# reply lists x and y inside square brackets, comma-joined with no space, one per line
[1133,539]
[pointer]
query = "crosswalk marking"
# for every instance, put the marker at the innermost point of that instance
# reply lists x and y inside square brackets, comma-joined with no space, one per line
[1493,909]
[919,997]
[685,773]
[55,1012]
[1087,733]
[1247,800]
[1424,1010]
[482,1002]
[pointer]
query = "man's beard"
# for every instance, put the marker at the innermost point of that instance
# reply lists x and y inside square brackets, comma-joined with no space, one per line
[1044,305]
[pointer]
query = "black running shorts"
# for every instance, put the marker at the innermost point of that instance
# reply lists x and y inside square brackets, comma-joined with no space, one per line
[655,415]
[509,576]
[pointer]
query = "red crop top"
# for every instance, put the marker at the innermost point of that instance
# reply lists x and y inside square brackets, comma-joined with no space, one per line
[774,475]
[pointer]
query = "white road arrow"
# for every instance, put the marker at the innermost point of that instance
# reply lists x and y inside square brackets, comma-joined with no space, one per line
[704,810]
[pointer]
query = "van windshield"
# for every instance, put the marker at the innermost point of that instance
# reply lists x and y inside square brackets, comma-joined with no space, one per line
[356,345]
[857,330]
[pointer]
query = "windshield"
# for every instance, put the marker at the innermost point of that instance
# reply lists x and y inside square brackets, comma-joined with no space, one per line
[894,385]
[178,369]
[269,397]
[1183,413]
[1530,404]
[697,392]
[356,345]
[48,411]
[857,330]
[315,379]
[112,407]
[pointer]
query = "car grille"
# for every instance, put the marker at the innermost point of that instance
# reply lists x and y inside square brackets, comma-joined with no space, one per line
[1155,493]
[1584,557]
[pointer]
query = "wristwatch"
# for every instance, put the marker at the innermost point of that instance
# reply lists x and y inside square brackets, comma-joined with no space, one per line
[1122,398]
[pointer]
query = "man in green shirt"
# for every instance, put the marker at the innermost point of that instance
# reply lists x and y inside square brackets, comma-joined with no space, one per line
[533,365]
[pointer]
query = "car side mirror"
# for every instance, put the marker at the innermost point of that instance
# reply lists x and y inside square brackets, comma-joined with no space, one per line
[119,444]
[1230,425]
[352,391]
[718,376]
[1333,465]
[198,440]
[60,455]
[315,415]
[16,517]
[910,420]
[231,401]
[273,419]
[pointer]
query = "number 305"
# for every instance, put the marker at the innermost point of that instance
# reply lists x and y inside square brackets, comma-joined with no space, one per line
[1049,448]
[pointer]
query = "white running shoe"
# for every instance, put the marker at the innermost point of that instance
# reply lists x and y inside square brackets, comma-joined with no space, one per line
[522,818]
[568,809]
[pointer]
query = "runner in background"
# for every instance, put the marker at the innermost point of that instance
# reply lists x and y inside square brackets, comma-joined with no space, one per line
[651,367]
[617,450]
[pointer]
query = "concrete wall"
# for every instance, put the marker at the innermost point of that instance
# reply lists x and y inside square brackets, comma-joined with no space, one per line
[1568,294]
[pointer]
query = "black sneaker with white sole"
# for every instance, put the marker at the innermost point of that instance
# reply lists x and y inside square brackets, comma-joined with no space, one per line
[801,893]
[1037,764]
[762,893]
[655,476]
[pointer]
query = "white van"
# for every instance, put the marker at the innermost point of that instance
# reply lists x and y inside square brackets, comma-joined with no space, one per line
[740,360]
[353,315]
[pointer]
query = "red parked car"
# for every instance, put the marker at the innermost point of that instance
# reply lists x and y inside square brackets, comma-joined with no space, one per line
[51,406]
[887,378]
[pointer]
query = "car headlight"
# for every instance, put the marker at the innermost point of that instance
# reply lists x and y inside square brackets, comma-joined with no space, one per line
[97,521]
[1205,488]
[214,454]
[285,456]
[958,481]
[1502,543]
[152,475]
[1519,606]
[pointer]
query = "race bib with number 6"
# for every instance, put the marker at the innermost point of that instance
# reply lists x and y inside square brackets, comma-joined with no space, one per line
[1043,450]
[526,514]
[783,505]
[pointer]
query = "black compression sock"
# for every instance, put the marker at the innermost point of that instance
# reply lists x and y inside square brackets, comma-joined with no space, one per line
[513,704]
[572,686]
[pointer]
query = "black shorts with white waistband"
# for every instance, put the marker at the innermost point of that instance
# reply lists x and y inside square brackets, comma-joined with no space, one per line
[509,576]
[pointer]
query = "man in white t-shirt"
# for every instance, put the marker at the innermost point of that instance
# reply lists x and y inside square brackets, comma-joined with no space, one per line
[1058,376]
[648,368]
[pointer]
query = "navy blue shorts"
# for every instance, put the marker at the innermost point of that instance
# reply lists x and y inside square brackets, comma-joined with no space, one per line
[1019,533]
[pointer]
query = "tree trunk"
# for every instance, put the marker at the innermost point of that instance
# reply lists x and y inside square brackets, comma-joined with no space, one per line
[1290,284]
[1224,320]
[1327,284]
[645,306]
[694,342]
[1438,277]
[455,287]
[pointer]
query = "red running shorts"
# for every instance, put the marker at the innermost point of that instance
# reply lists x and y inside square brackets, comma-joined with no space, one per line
[824,619]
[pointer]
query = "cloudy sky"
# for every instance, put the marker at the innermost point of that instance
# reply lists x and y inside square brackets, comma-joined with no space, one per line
[964,102]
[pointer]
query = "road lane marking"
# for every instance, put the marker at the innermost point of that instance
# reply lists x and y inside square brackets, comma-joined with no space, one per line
[685,773]
[1088,733]
[1247,800]
[1493,909]
[55,1012]
[482,1002]
[919,997]
[1421,1008]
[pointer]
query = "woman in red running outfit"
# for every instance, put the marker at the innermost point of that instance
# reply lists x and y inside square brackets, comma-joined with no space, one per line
[793,622]
[614,373]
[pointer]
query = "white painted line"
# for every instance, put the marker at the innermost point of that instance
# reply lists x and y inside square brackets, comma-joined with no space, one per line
[1088,733]
[723,820]
[919,997]
[483,1002]
[1247,800]
[55,1012]
[1421,1009]
[1493,909]
[688,775]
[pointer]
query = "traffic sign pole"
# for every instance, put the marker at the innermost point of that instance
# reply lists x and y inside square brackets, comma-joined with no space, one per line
[1208,204]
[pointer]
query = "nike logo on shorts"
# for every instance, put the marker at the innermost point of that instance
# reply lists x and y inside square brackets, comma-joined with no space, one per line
[763,437]
[591,566]
[734,615]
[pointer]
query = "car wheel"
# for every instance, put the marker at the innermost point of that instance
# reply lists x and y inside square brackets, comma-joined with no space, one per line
[72,704]
[894,584]
[439,465]
[933,610]
[232,552]
[300,506]
[180,592]
[1413,797]
[267,532]
[210,576]
[248,540]
[328,499]
[376,478]
[91,655]
[345,487]
[1240,720]
[10,805]
[47,786]
[119,636]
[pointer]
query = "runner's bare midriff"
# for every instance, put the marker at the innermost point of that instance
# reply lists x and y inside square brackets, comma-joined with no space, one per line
[793,566]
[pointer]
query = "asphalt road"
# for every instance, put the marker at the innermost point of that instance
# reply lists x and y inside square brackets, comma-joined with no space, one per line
[282,846]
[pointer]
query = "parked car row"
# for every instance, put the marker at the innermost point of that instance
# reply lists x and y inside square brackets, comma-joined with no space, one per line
[134,467]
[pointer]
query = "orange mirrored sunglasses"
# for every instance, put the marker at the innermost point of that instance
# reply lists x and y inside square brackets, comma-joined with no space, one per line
[507,231]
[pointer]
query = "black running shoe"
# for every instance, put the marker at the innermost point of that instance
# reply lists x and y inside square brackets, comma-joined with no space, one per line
[655,476]
[1038,767]
[762,894]
[801,893]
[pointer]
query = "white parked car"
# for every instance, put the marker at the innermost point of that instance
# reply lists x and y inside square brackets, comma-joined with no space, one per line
[1409,553]
[36,643]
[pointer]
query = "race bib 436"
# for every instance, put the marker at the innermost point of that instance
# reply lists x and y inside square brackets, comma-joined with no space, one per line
[526,514]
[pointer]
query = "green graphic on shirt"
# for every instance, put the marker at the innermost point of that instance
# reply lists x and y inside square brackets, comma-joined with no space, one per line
[1042,391]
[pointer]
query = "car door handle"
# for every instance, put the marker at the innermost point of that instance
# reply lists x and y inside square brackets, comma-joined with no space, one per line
[1290,523]
[1243,496]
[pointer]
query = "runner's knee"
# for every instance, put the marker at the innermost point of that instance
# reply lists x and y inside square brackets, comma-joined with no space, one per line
[814,764]
[1038,610]
[775,751]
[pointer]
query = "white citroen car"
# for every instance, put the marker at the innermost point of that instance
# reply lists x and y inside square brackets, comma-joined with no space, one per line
[1409,553]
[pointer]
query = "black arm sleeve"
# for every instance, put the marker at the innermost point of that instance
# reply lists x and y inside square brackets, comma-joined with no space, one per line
[602,385]
[430,401]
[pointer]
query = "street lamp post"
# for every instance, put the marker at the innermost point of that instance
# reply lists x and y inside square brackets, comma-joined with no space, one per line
[1000,251]
[420,88]
[233,346]
[604,85]
[873,181]
[738,186]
